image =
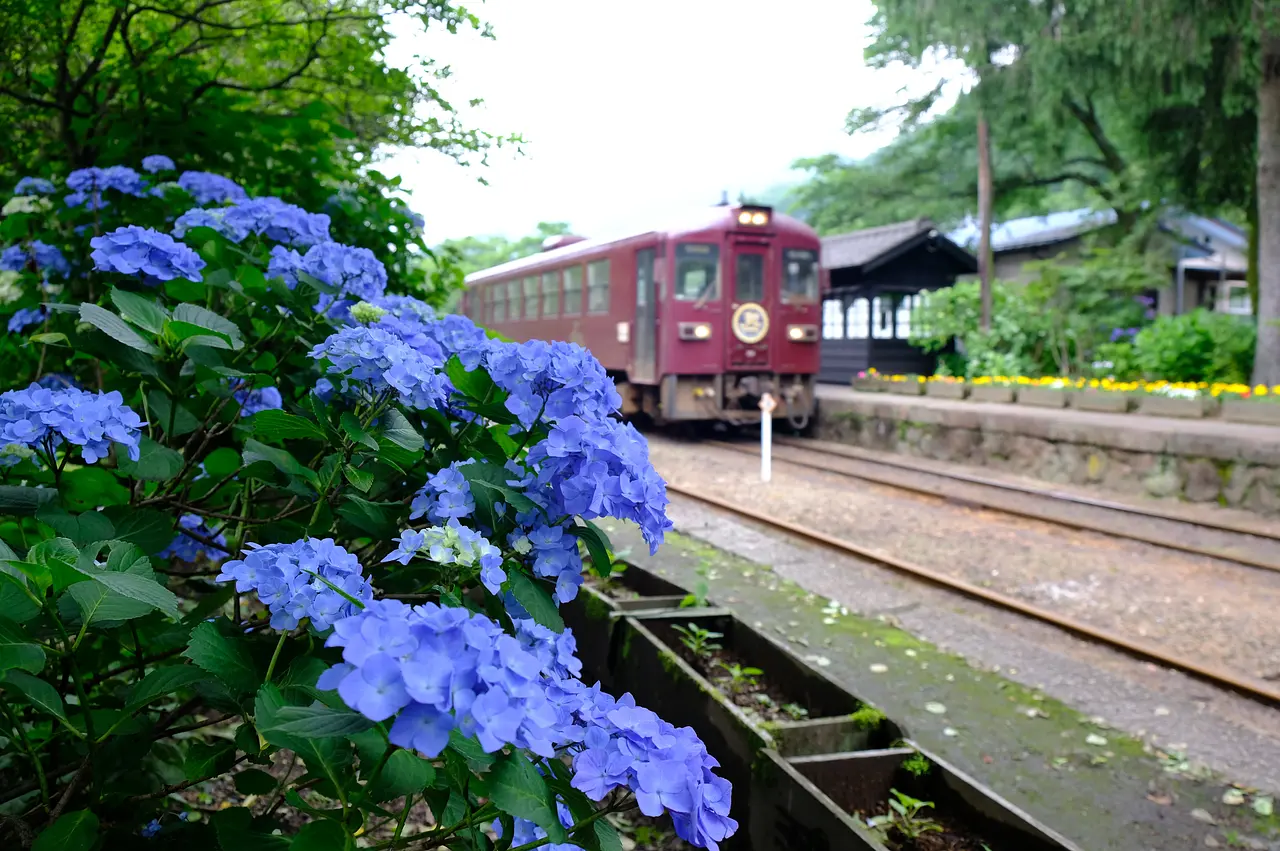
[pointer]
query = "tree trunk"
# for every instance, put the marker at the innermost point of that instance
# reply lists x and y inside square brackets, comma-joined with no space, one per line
[984,217]
[1266,364]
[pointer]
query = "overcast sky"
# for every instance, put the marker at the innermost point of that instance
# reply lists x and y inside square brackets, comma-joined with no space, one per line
[632,111]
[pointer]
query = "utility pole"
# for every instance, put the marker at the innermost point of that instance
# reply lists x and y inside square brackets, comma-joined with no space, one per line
[985,191]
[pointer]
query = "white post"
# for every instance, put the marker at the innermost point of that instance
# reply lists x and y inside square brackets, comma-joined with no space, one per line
[766,437]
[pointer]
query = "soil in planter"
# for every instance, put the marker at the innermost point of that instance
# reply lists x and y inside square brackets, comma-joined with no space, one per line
[952,837]
[761,698]
[613,590]
[648,834]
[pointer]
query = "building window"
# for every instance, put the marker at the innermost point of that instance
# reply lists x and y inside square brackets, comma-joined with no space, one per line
[859,319]
[531,297]
[833,319]
[498,292]
[573,291]
[697,272]
[920,313]
[1234,298]
[598,287]
[513,300]
[550,294]
[799,276]
[882,318]
[903,320]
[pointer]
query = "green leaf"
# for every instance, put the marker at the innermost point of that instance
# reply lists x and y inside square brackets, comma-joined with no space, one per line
[184,422]
[227,659]
[89,488]
[139,310]
[475,384]
[156,463]
[193,335]
[222,462]
[58,556]
[289,723]
[98,603]
[144,589]
[278,425]
[517,788]
[489,483]
[254,781]
[24,501]
[196,315]
[405,773]
[359,479]
[322,836]
[355,431]
[375,518]
[536,600]
[281,459]
[146,528]
[235,829]
[51,338]
[401,432]
[161,682]
[17,651]
[115,328]
[74,831]
[598,546]
[607,836]
[82,529]
[180,289]
[204,759]
[38,693]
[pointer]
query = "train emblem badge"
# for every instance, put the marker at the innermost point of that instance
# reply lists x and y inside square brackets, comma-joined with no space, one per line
[750,323]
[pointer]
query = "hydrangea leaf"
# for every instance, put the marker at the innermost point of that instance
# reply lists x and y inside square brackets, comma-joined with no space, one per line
[401,432]
[98,603]
[156,463]
[474,384]
[226,658]
[204,759]
[378,519]
[536,600]
[404,773]
[175,424]
[194,314]
[517,788]
[115,328]
[598,546]
[289,723]
[24,501]
[38,693]
[74,831]
[139,310]
[254,781]
[235,829]
[355,431]
[161,682]
[148,529]
[489,483]
[17,652]
[281,459]
[83,529]
[278,425]
[322,836]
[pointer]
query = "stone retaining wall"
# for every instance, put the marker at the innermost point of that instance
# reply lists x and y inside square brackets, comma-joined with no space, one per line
[1227,464]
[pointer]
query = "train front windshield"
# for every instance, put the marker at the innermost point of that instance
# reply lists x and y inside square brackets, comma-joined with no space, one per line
[697,272]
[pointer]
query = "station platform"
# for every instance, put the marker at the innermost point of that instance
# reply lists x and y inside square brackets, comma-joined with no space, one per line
[1197,460]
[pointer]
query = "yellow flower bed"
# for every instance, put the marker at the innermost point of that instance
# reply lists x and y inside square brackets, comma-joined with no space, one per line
[1107,385]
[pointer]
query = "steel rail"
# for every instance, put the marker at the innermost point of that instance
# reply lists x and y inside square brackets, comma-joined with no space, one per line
[1249,688]
[1029,513]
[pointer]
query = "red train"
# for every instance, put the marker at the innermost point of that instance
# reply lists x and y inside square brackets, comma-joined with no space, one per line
[695,321]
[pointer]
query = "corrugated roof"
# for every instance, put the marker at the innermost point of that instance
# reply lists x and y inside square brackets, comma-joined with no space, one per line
[862,246]
[1034,231]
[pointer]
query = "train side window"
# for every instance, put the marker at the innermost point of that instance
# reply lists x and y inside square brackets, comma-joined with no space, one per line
[697,272]
[531,297]
[902,328]
[833,319]
[573,291]
[859,319]
[513,300]
[882,318]
[550,294]
[598,287]
[499,301]
[800,276]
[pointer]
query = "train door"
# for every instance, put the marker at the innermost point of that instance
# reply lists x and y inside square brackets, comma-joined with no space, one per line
[749,309]
[644,367]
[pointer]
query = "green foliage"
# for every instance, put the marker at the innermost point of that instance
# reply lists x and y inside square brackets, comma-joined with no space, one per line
[1196,346]
[699,641]
[868,718]
[740,677]
[906,819]
[917,765]
[1013,346]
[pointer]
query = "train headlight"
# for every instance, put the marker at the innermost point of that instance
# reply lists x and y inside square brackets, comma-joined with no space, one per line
[759,218]
[695,330]
[744,218]
[802,333]
[753,216]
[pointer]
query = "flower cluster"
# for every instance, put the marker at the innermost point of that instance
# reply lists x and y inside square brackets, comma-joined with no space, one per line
[187,549]
[525,832]
[372,362]
[555,556]
[209,188]
[34,186]
[88,184]
[445,496]
[156,163]
[278,221]
[452,544]
[38,417]
[26,317]
[599,469]
[46,259]
[133,250]
[355,272]
[26,204]
[557,380]
[255,400]
[308,579]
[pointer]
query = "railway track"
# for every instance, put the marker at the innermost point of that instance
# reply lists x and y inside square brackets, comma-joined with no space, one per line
[1048,506]
[1256,690]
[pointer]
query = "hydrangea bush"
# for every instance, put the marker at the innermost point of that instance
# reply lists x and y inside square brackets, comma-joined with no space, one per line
[257,512]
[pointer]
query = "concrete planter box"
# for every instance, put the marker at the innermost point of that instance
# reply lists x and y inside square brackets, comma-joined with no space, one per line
[1103,400]
[868,384]
[1250,411]
[993,393]
[910,387]
[593,615]
[1044,397]
[1165,406]
[946,389]
[646,665]
[811,802]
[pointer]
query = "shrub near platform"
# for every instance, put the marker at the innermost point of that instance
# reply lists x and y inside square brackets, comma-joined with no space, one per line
[242,461]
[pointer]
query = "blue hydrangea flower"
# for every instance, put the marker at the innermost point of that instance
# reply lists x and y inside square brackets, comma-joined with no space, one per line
[296,581]
[356,273]
[254,400]
[57,381]
[452,544]
[37,417]
[525,832]
[150,829]
[157,162]
[188,549]
[555,556]
[278,221]
[373,362]
[27,317]
[199,217]
[34,186]
[554,380]
[209,188]
[285,263]
[446,496]
[47,259]
[133,250]
[88,185]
